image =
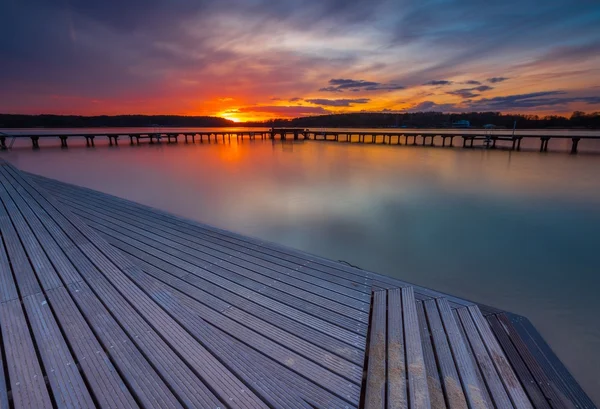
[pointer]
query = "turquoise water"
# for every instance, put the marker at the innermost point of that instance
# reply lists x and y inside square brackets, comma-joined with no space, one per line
[515,230]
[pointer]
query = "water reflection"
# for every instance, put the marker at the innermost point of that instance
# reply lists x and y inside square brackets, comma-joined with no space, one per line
[516,230]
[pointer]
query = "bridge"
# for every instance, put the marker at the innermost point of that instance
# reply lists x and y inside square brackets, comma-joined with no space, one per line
[383,136]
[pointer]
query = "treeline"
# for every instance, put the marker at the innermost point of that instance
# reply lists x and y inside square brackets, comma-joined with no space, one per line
[439,120]
[73,121]
[354,120]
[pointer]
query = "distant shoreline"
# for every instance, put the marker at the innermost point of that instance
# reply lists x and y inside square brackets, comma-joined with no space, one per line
[418,120]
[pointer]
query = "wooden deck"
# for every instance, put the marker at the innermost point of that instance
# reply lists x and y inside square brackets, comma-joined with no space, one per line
[107,303]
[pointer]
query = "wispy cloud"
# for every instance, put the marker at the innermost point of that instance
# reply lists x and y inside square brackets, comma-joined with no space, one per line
[341,85]
[495,80]
[438,82]
[287,111]
[338,102]
[470,92]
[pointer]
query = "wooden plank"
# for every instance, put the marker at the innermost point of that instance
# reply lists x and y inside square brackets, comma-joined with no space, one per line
[491,376]
[140,376]
[376,372]
[162,357]
[533,391]
[22,271]
[436,392]
[237,356]
[221,277]
[8,290]
[295,299]
[561,383]
[473,388]
[506,372]
[324,373]
[68,387]
[396,357]
[24,370]
[107,386]
[59,261]
[3,369]
[245,312]
[106,258]
[418,394]
[241,267]
[36,258]
[449,375]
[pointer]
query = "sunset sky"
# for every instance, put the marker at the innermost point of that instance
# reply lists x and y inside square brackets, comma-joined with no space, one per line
[258,59]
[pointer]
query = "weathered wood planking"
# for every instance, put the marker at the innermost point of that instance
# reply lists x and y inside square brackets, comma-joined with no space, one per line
[485,362]
[103,267]
[140,332]
[376,371]
[529,383]
[418,396]
[473,387]
[509,379]
[560,379]
[396,356]
[436,392]
[450,379]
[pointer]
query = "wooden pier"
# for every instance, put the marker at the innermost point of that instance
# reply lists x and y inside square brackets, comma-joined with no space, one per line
[412,138]
[107,303]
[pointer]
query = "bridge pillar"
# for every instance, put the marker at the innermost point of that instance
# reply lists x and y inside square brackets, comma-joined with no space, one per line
[35,142]
[574,145]
[3,142]
[63,141]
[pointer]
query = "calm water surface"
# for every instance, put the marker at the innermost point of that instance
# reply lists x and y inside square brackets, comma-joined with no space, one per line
[516,230]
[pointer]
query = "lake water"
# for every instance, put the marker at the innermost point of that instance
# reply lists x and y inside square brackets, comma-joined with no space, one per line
[515,230]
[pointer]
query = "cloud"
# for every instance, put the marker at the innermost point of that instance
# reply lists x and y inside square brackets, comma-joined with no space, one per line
[495,80]
[439,82]
[472,82]
[463,93]
[287,111]
[342,84]
[470,92]
[541,99]
[338,102]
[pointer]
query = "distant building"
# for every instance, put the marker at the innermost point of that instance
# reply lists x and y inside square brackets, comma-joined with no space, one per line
[461,124]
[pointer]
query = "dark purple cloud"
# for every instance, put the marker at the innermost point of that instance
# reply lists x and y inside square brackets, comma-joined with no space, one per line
[338,102]
[470,92]
[542,99]
[285,110]
[495,80]
[509,103]
[439,82]
[342,84]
